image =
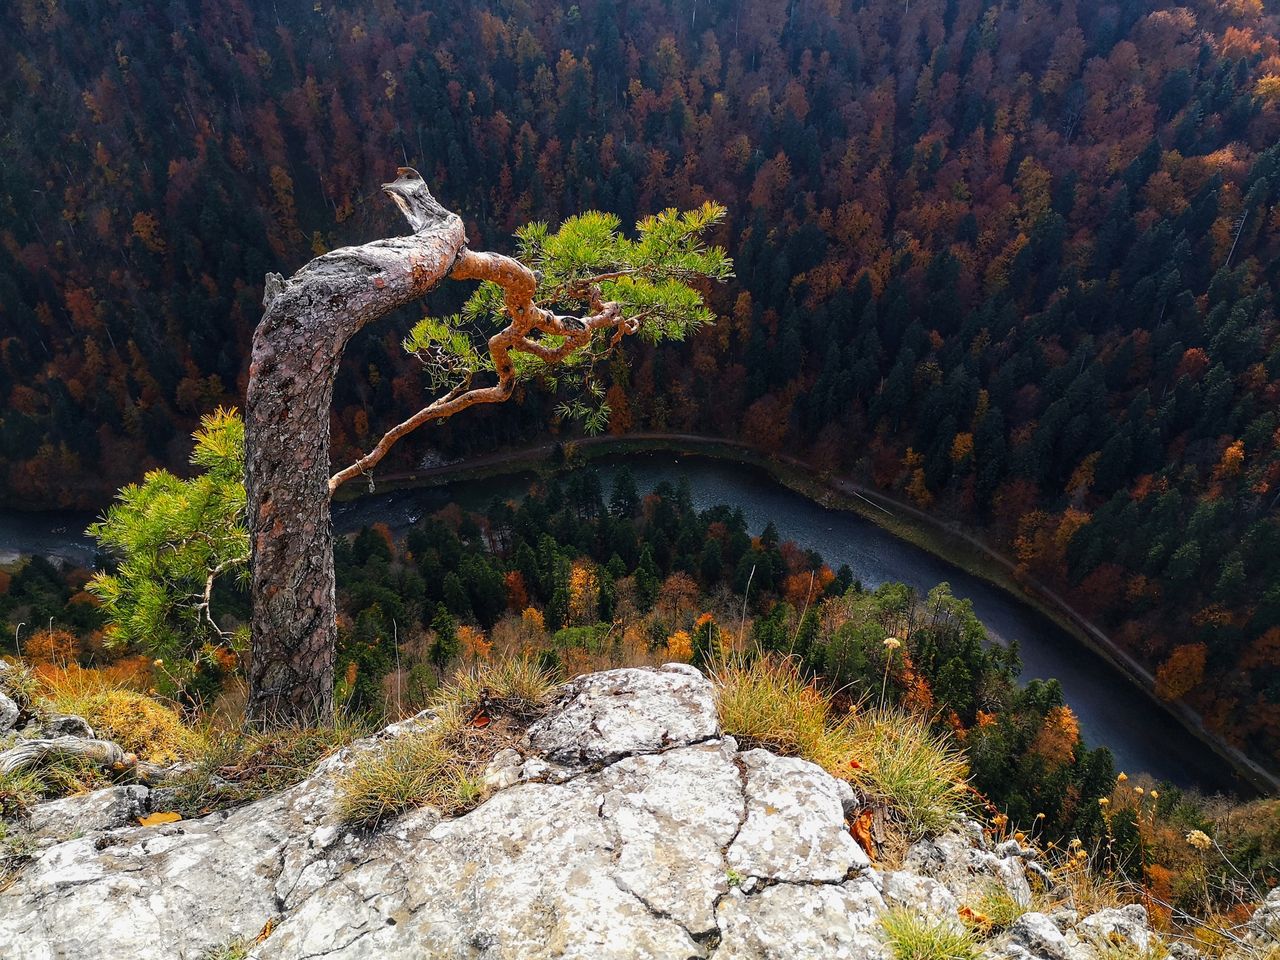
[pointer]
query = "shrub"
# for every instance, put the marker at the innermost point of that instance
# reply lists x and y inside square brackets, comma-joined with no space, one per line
[174,537]
[910,937]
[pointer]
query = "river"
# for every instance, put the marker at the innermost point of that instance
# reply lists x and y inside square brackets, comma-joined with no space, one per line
[1112,712]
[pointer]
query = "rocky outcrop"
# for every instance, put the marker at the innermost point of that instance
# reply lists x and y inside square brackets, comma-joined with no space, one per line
[625,826]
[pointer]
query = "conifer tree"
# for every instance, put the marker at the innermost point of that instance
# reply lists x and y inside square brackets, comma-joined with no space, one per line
[549,314]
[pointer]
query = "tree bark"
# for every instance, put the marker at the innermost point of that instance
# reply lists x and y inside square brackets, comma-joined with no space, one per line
[297,349]
[296,352]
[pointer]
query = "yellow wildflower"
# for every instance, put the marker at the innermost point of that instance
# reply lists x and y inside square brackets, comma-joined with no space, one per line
[1199,839]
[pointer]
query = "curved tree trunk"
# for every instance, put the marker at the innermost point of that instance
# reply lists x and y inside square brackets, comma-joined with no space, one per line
[297,349]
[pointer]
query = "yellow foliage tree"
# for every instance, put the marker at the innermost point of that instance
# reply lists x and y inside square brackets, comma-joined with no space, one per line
[1268,89]
[584,594]
[474,644]
[1182,672]
[1232,461]
[1056,741]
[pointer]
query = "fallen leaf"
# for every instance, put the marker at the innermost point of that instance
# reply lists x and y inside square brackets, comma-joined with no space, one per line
[860,827]
[155,819]
[267,929]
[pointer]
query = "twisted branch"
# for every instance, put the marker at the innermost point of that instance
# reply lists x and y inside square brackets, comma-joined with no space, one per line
[527,318]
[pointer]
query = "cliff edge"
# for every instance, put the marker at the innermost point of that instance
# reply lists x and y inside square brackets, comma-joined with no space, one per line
[625,825]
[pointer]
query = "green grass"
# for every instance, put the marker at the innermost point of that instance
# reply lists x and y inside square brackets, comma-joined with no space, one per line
[18,791]
[997,908]
[910,937]
[918,772]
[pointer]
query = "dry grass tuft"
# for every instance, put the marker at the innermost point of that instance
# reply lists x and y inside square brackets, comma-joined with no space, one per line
[516,687]
[481,711]
[19,682]
[894,757]
[906,764]
[411,771]
[766,702]
[231,768]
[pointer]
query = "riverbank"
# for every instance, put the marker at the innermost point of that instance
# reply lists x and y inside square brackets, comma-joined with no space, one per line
[948,542]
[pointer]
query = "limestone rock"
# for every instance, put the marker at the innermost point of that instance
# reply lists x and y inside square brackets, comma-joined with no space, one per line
[1036,935]
[106,809]
[922,895]
[66,726]
[623,826]
[617,713]
[1264,926]
[803,922]
[1109,927]
[959,861]
[8,712]
[794,828]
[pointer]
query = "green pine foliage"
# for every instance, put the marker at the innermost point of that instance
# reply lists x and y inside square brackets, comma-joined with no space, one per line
[650,277]
[172,538]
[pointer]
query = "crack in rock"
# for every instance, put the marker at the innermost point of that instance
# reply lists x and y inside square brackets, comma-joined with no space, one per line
[625,850]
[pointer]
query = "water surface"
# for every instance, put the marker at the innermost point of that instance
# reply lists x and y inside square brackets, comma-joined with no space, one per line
[1112,711]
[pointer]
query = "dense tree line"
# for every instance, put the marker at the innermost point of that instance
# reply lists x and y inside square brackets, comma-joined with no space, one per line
[582,581]
[1012,260]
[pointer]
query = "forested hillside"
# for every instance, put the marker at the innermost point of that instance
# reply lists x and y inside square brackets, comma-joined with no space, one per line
[1014,261]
